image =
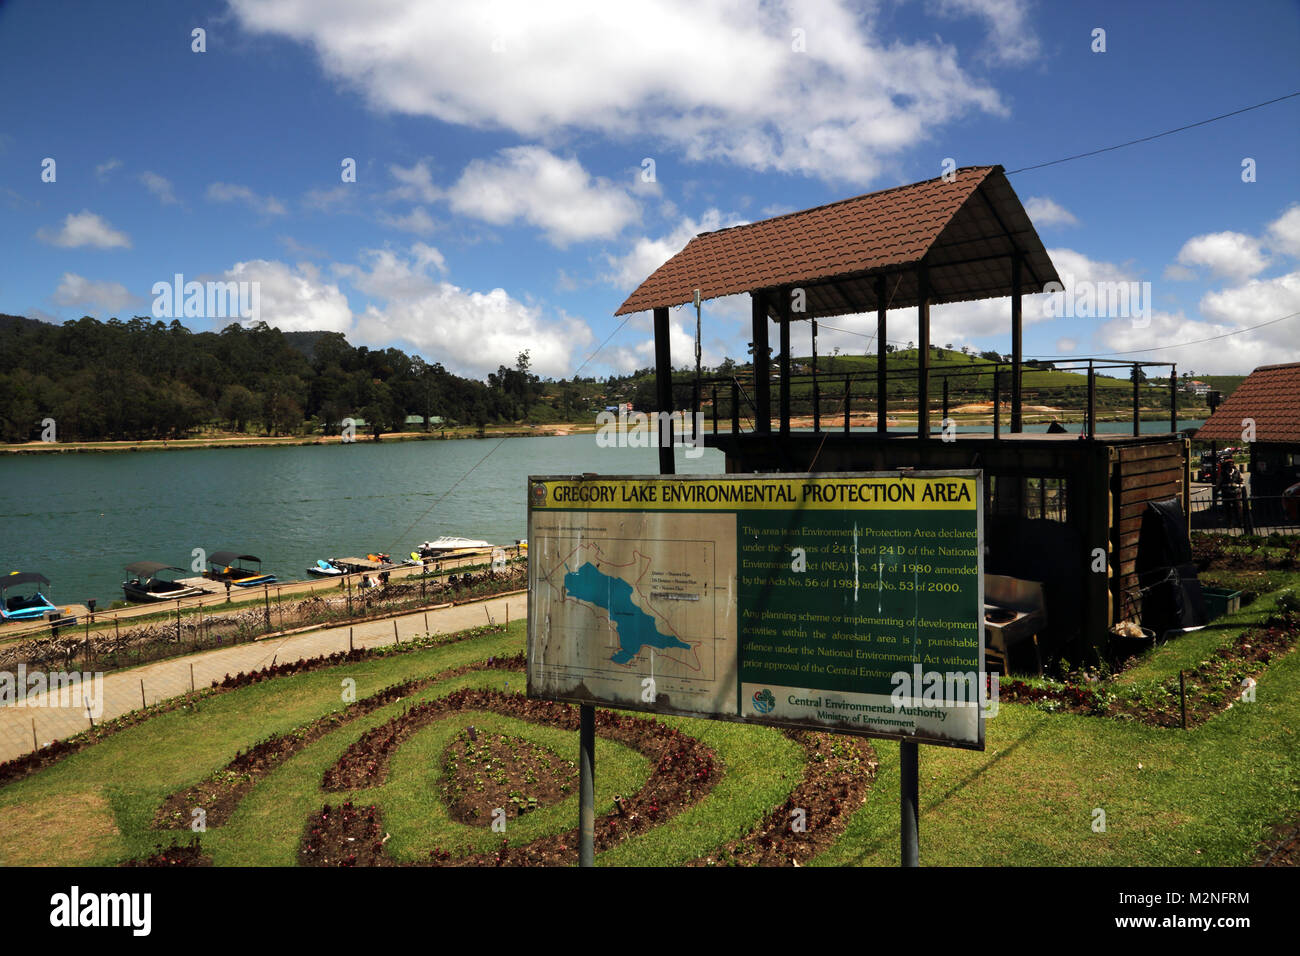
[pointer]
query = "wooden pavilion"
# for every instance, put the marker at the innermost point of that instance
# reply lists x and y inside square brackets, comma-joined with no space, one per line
[1052,500]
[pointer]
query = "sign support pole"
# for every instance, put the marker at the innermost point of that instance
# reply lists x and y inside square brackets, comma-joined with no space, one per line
[586,785]
[908,802]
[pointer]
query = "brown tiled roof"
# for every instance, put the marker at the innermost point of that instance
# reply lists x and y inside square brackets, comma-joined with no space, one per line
[964,229]
[1270,396]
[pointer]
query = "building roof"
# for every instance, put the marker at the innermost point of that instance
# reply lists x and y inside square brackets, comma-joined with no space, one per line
[964,230]
[1270,396]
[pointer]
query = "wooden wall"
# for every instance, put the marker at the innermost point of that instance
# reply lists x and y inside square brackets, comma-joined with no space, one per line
[1140,473]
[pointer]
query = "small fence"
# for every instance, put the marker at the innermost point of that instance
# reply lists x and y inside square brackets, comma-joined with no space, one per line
[121,647]
[1245,515]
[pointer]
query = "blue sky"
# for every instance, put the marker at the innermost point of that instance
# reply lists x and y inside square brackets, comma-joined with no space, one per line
[499,201]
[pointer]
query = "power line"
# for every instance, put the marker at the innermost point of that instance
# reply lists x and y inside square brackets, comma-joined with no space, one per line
[1179,345]
[1147,139]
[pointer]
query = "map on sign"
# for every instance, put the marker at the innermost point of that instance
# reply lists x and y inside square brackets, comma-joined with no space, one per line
[635,612]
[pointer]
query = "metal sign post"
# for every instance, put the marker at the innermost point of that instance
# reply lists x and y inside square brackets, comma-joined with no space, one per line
[586,785]
[908,802]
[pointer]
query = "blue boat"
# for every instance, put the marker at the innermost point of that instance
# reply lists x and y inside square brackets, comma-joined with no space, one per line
[33,607]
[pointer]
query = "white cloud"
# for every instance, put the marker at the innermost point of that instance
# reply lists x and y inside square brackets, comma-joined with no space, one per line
[160,187]
[1284,232]
[1046,212]
[648,254]
[556,195]
[710,79]
[104,168]
[1011,40]
[414,183]
[1066,346]
[101,297]
[417,220]
[233,192]
[85,229]
[473,332]
[1230,254]
[294,300]
[327,200]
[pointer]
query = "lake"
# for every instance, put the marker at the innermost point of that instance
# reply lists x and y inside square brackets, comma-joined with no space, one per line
[79,519]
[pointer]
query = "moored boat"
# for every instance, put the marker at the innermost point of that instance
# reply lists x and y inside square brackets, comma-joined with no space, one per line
[19,607]
[450,546]
[325,569]
[145,583]
[226,566]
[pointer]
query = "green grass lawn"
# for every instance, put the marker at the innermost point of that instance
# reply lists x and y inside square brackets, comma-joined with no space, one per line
[1170,797]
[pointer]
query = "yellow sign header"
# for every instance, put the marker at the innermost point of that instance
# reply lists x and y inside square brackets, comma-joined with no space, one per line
[902,493]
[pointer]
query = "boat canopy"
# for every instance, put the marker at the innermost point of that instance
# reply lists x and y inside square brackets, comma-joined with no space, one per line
[144,569]
[23,577]
[230,557]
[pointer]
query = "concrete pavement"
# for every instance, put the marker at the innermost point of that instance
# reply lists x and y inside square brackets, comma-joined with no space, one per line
[120,690]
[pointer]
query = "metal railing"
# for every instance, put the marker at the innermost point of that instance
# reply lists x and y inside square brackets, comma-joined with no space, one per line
[1245,514]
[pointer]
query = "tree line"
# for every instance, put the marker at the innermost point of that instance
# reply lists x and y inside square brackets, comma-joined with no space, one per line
[146,379]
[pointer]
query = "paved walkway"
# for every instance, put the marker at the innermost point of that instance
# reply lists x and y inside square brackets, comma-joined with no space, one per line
[170,678]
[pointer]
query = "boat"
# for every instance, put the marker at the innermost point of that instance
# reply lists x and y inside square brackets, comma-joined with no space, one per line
[225,566]
[19,608]
[449,546]
[145,584]
[325,569]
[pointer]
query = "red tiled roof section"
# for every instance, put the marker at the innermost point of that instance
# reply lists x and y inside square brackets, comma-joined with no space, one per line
[1270,396]
[890,228]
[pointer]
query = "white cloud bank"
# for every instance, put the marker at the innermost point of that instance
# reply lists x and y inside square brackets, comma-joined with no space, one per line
[711,79]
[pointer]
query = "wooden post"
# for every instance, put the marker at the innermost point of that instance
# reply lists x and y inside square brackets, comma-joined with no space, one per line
[735,408]
[882,417]
[664,389]
[349,640]
[945,397]
[35,746]
[191,678]
[426,622]
[785,368]
[1016,350]
[266,595]
[395,636]
[178,620]
[762,365]
[142,703]
[923,363]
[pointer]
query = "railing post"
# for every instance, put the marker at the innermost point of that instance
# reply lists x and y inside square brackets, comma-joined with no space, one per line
[1137,415]
[847,391]
[1092,401]
[997,410]
[715,411]
[1173,398]
[735,408]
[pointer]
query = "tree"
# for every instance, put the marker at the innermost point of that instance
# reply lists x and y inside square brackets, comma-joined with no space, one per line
[237,407]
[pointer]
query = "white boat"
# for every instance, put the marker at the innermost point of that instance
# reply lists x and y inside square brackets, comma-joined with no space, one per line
[451,546]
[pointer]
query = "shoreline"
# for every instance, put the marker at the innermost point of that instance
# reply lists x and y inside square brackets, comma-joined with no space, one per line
[904,418]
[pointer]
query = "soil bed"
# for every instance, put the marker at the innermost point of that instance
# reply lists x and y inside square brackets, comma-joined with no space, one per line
[684,771]
[222,792]
[486,771]
[839,772]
